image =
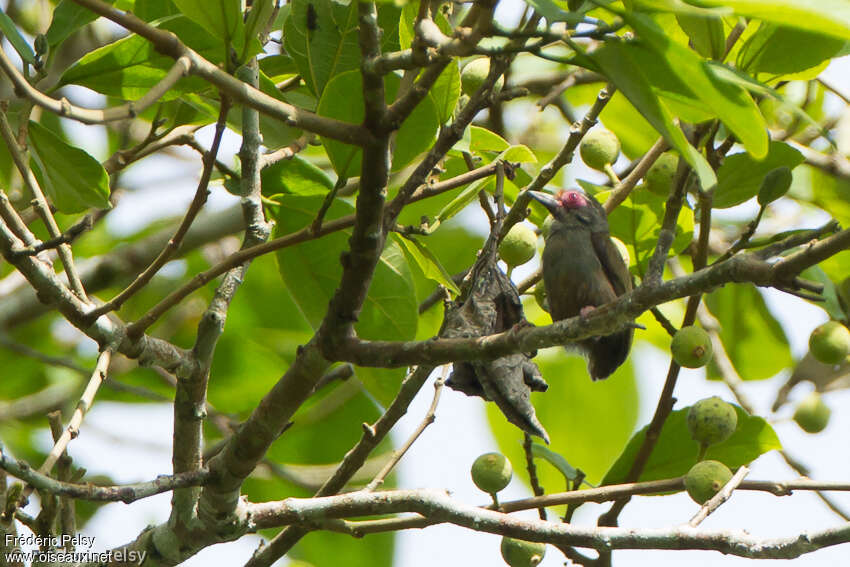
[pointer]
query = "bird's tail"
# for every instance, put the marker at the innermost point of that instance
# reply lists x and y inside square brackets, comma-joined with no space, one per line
[606,354]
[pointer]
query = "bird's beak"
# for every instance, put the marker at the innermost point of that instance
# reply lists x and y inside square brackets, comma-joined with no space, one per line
[546,200]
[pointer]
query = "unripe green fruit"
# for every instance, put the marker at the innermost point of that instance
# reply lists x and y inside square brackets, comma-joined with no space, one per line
[812,415]
[659,177]
[705,479]
[599,148]
[691,347]
[519,553]
[474,74]
[830,343]
[491,472]
[518,246]
[712,421]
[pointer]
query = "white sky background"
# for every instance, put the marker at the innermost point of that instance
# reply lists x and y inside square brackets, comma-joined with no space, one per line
[137,439]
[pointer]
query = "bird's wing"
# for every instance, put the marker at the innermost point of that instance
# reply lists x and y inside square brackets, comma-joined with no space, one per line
[612,262]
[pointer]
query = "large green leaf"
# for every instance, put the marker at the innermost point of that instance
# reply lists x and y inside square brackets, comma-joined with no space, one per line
[826,17]
[129,67]
[343,99]
[637,222]
[72,179]
[618,61]
[732,104]
[751,335]
[312,270]
[588,422]
[427,262]
[741,175]
[221,19]
[780,49]
[706,34]
[68,17]
[675,452]
[294,176]
[321,37]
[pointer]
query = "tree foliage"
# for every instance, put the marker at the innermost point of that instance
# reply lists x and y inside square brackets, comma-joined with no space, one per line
[291,329]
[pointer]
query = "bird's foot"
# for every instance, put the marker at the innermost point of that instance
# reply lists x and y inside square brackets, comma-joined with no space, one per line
[586,311]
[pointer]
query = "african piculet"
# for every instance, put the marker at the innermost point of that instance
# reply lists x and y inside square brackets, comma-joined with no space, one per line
[582,269]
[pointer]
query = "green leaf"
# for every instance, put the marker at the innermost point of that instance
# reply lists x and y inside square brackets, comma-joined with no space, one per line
[588,422]
[465,197]
[222,19]
[637,222]
[312,271]
[446,91]
[780,50]
[826,17]
[518,154]
[706,34]
[129,67]
[326,49]
[732,104]
[68,17]
[618,62]
[294,176]
[484,140]
[258,17]
[741,175]
[428,263]
[776,183]
[10,30]
[675,452]
[72,179]
[555,459]
[748,327]
[343,99]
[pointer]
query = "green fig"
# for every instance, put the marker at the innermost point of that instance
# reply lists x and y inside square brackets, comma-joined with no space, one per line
[659,177]
[830,342]
[474,74]
[691,347]
[712,421]
[491,472]
[519,553]
[519,245]
[599,148]
[705,479]
[812,414]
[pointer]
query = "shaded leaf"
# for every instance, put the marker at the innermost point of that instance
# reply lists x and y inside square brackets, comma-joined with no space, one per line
[741,175]
[21,45]
[72,179]
[343,99]
[427,262]
[748,327]
[312,271]
[675,452]
[325,45]
[780,49]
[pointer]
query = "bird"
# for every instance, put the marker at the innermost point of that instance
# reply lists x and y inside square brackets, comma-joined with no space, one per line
[582,270]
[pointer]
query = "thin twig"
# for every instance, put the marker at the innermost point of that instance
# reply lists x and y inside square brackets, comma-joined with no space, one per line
[429,418]
[174,243]
[40,202]
[718,499]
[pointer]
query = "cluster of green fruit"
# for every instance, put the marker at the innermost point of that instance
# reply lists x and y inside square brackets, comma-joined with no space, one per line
[830,344]
[710,421]
[600,148]
[491,472]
